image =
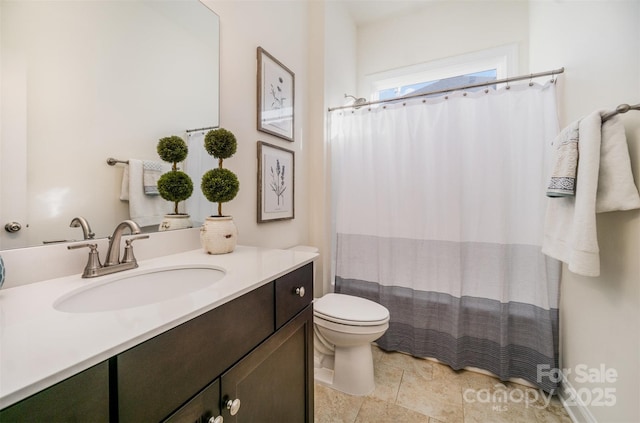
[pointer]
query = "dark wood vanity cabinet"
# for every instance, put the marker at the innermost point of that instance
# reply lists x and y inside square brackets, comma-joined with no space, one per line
[159,375]
[82,397]
[274,383]
[257,349]
[202,408]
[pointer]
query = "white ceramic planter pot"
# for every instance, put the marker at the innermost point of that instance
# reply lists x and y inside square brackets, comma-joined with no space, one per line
[218,235]
[175,221]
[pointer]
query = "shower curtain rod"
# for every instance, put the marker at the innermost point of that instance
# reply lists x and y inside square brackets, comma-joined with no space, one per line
[461,87]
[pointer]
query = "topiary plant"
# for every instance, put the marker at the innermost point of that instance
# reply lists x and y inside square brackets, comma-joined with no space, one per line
[220,185]
[174,185]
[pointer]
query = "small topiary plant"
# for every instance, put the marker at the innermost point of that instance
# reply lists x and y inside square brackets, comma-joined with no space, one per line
[220,185]
[174,185]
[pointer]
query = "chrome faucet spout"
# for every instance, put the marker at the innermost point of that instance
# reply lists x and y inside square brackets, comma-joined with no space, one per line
[81,222]
[113,253]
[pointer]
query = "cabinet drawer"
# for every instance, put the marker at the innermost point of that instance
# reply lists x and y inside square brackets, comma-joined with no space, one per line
[83,397]
[288,302]
[158,376]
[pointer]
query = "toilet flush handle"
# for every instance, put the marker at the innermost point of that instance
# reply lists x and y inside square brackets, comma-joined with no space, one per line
[300,291]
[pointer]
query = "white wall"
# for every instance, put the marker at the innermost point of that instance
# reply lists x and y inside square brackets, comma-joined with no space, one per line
[599,45]
[441,30]
[281,28]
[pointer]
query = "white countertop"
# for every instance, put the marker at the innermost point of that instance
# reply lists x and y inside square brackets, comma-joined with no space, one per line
[40,346]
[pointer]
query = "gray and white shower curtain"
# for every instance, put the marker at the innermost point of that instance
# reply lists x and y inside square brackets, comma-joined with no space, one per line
[439,210]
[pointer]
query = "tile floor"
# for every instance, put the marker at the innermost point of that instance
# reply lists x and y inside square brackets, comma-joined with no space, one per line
[412,390]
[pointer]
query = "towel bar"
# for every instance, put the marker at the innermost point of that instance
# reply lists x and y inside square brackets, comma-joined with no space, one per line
[623,108]
[112,162]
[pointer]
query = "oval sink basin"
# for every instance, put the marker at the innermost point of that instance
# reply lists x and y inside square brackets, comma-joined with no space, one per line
[135,290]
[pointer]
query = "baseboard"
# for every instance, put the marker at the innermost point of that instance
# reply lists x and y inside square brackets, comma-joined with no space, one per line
[577,410]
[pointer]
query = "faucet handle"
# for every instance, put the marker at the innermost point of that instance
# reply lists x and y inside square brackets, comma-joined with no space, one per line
[128,249]
[93,263]
[93,247]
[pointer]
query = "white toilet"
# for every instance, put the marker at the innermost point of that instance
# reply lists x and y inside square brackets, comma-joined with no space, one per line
[344,327]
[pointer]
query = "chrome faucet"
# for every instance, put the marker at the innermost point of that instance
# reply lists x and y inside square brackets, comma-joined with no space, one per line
[81,222]
[113,263]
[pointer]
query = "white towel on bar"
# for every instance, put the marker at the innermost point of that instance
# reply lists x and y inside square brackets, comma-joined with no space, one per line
[124,188]
[151,172]
[563,178]
[145,210]
[604,183]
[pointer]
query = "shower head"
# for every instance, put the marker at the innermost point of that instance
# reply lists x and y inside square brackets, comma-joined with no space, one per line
[358,102]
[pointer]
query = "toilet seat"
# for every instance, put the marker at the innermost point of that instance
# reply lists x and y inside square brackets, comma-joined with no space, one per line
[350,310]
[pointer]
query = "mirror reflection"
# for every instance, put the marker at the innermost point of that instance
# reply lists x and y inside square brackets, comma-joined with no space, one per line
[85,81]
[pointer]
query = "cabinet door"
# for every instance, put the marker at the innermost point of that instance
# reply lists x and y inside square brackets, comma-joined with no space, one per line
[201,408]
[275,382]
[83,397]
[158,376]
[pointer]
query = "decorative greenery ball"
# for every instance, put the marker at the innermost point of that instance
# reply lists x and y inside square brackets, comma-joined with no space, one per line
[220,143]
[220,185]
[175,186]
[172,149]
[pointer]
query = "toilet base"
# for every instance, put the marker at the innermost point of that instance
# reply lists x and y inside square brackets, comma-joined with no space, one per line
[352,371]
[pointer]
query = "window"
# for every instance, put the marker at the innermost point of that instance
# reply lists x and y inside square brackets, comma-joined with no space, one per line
[482,66]
[439,84]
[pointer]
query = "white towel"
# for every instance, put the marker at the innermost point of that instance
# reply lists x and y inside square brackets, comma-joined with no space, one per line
[563,177]
[124,188]
[145,210]
[604,183]
[151,172]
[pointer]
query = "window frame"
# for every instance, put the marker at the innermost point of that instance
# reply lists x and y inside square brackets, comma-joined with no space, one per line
[504,59]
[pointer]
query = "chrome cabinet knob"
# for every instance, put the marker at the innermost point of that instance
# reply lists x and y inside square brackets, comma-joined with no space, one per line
[233,406]
[12,227]
[300,291]
[218,419]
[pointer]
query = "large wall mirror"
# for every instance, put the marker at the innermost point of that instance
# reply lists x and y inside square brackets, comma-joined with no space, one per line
[82,81]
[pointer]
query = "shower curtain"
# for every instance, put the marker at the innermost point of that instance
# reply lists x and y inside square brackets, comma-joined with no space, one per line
[439,209]
[195,165]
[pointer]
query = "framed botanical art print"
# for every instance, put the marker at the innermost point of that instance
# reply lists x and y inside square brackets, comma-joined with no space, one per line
[276,184]
[276,94]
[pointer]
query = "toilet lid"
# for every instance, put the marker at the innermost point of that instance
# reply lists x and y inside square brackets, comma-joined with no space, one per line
[347,308]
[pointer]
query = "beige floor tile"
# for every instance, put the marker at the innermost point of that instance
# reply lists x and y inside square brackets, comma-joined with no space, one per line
[387,379]
[403,361]
[411,389]
[462,378]
[499,403]
[553,412]
[331,406]
[374,410]
[435,398]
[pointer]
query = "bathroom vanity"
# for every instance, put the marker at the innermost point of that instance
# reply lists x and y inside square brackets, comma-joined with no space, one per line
[246,356]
